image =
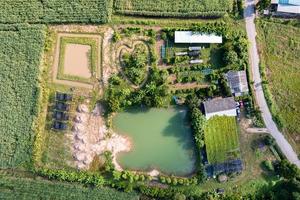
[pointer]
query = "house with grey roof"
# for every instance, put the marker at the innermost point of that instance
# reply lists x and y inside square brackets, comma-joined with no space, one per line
[220,107]
[237,81]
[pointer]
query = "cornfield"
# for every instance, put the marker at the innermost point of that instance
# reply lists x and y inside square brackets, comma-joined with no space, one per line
[171,8]
[55,11]
[20,51]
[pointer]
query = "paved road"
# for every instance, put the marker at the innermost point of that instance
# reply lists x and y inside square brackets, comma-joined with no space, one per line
[285,147]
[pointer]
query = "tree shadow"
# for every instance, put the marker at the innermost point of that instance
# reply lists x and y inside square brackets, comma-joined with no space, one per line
[178,126]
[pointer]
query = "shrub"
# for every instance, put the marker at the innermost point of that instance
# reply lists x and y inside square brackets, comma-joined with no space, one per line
[268,165]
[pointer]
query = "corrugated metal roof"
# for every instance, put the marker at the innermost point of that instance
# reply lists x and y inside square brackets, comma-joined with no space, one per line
[196,37]
[217,105]
[237,81]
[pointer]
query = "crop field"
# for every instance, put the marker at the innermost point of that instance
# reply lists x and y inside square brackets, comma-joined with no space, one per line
[221,139]
[169,8]
[20,51]
[55,11]
[23,188]
[280,50]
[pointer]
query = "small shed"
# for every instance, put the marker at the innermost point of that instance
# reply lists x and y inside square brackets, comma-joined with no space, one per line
[196,61]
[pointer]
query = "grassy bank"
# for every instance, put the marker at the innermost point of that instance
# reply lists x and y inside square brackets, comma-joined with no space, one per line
[279,45]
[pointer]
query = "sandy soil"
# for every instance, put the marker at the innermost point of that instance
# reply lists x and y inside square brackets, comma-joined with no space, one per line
[77,60]
[107,67]
[89,132]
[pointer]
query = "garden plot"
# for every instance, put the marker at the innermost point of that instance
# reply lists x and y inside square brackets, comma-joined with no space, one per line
[77,60]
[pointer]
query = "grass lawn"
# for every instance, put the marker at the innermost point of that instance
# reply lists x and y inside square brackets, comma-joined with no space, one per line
[279,46]
[221,139]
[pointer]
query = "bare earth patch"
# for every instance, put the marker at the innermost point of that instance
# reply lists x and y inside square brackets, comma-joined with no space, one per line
[89,137]
[77,60]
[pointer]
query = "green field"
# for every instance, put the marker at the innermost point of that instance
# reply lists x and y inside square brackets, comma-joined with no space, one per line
[55,11]
[24,188]
[221,139]
[20,51]
[280,61]
[169,8]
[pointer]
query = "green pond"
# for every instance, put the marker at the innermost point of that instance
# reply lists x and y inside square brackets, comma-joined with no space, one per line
[161,140]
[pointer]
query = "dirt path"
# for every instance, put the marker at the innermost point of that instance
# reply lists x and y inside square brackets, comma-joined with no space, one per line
[56,60]
[107,68]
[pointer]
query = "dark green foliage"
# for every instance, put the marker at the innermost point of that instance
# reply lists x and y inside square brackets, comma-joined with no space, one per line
[84,177]
[135,64]
[20,50]
[268,165]
[224,88]
[169,8]
[157,192]
[263,4]
[289,187]
[154,94]
[288,170]
[117,94]
[22,188]
[198,122]
[269,140]
[55,11]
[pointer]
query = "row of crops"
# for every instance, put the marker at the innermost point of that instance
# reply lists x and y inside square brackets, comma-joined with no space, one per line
[23,188]
[55,11]
[171,8]
[20,51]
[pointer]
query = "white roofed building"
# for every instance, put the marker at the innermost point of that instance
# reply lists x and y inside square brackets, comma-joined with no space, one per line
[196,37]
[220,107]
[287,6]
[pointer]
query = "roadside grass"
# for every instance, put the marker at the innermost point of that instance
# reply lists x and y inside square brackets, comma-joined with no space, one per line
[279,47]
[221,139]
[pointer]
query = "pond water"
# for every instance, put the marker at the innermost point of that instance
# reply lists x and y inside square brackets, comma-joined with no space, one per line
[161,140]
